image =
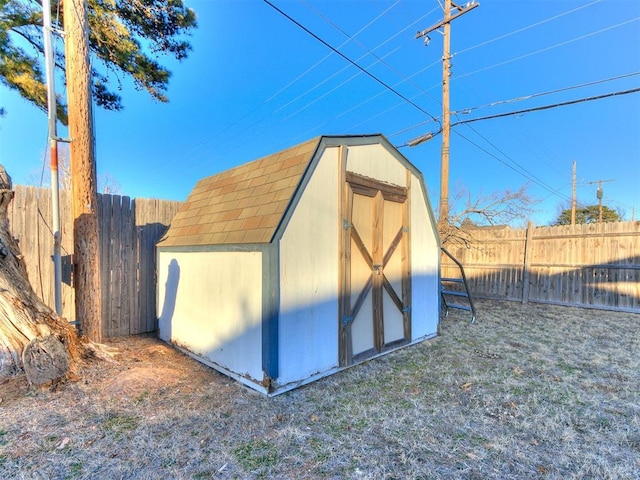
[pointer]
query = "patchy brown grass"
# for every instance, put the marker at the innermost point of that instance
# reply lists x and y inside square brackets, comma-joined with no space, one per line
[526,392]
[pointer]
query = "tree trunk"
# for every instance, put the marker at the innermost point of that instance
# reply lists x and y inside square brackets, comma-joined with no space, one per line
[33,339]
[83,171]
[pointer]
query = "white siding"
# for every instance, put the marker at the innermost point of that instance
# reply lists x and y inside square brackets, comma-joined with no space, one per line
[375,161]
[308,323]
[425,293]
[210,303]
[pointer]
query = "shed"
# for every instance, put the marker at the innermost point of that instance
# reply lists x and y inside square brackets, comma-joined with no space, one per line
[302,263]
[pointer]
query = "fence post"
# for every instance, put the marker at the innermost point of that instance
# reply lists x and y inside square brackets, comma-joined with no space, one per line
[526,270]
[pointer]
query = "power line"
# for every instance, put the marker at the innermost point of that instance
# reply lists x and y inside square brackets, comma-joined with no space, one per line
[329,92]
[349,39]
[252,112]
[550,92]
[547,107]
[363,70]
[332,76]
[521,98]
[539,108]
[371,52]
[525,173]
[582,37]
[541,22]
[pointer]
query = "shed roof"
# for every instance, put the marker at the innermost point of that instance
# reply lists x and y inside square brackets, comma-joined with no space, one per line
[241,205]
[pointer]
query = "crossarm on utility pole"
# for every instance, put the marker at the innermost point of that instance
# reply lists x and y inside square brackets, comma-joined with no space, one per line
[461,11]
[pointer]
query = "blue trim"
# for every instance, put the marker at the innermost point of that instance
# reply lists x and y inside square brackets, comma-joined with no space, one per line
[270,313]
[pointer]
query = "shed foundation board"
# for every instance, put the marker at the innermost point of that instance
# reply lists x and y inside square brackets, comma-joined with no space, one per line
[283,388]
[211,305]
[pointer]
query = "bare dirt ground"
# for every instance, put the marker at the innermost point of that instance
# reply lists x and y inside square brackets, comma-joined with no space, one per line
[527,392]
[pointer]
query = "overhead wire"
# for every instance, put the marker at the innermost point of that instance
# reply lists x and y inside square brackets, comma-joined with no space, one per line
[251,112]
[345,57]
[541,94]
[541,22]
[525,173]
[281,90]
[329,92]
[546,107]
[371,52]
[349,39]
[546,49]
[520,98]
[520,169]
[533,53]
[526,28]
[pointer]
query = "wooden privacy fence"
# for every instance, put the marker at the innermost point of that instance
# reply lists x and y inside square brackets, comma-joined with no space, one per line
[591,265]
[129,230]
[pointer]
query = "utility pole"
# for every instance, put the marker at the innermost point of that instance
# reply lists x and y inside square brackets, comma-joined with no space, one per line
[599,195]
[86,277]
[52,112]
[573,195]
[449,5]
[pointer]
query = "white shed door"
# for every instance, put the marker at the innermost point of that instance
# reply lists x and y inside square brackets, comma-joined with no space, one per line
[375,301]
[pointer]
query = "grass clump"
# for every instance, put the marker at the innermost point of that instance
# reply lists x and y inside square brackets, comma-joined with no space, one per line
[256,456]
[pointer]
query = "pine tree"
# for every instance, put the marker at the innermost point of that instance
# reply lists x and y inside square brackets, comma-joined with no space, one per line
[127,38]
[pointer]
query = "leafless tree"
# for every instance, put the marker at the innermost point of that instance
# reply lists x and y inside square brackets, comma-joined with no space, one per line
[469,210]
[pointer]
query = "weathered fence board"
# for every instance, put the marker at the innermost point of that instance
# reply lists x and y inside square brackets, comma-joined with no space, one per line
[591,265]
[129,230]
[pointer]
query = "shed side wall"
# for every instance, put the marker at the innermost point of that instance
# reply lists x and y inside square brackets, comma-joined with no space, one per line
[425,254]
[308,322]
[210,303]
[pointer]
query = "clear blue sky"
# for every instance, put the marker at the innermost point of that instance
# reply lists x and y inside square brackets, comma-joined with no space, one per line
[256,83]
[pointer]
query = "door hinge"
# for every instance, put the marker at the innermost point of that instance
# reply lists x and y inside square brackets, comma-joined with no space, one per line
[346,320]
[346,225]
[406,310]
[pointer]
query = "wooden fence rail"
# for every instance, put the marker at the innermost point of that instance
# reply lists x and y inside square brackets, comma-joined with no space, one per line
[591,265]
[129,230]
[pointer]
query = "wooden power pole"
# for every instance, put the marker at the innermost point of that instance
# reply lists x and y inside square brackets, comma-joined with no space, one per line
[599,195]
[86,246]
[449,5]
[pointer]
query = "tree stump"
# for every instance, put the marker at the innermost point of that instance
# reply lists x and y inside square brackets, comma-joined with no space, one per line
[45,360]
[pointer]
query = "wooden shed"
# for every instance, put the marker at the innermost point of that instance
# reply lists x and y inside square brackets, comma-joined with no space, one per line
[297,265]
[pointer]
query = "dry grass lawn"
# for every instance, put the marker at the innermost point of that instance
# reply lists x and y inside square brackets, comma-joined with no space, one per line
[527,392]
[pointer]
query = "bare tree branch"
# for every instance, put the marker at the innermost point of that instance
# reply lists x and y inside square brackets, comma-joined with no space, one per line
[469,211]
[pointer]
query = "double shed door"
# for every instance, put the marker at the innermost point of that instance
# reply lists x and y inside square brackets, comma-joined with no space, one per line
[375,300]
